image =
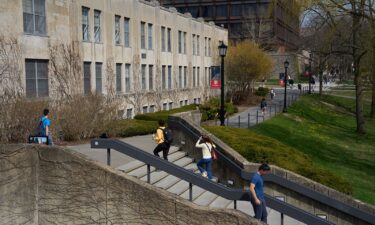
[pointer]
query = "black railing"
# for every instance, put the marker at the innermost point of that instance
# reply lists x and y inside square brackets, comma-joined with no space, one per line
[175,122]
[204,183]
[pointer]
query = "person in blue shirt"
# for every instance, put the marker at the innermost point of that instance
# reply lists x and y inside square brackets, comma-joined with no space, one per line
[257,194]
[44,127]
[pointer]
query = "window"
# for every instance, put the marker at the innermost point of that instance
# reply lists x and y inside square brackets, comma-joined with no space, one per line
[184,42]
[193,38]
[165,106]
[169,77]
[129,113]
[181,103]
[169,40]
[144,109]
[118,77]
[85,24]
[163,39]
[198,45]
[198,76]
[117,30]
[185,77]
[193,76]
[170,105]
[127,78]
[208,11]
[180,42]
[163,84]
[87,78]
[143,38]
[34,17]
[236,10]
[151,109]
[180,76]
[150,77]
[127,32]
[97,30]
[143,78]
[36,78]
[209,47]
[195,101]
[186,102]
[199,100]
[205,46]
[149,36]
[98,74]
[221,10]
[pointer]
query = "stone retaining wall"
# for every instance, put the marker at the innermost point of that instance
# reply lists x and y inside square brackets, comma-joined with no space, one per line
[50,185]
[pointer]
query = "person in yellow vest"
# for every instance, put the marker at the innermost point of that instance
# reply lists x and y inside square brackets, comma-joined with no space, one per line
[162,144]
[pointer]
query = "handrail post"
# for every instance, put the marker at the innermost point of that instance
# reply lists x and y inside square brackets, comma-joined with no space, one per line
[235,204]
[257,116]
[282,218]
[108,156]
[148,173]
[239,121]
[248,120]
[190,191]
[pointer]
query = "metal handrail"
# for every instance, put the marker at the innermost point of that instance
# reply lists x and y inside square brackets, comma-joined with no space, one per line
[204,183]
[290,185]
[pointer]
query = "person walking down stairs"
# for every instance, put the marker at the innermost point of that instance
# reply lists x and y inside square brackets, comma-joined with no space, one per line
[161,141]
[205,143]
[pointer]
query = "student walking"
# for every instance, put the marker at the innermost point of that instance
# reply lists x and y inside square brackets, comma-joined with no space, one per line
[257,194]
[44,127]
[205,143]
[162,140]
[263,106]
[272,93]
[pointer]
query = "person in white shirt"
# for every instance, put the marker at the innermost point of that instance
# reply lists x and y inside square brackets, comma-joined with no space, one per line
[205,143]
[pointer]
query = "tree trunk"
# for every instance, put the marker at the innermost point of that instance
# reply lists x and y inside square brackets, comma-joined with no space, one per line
[320,83]
[373,98]
[359,104]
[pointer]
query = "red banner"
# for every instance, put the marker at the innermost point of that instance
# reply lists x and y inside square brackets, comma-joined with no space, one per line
[215,84]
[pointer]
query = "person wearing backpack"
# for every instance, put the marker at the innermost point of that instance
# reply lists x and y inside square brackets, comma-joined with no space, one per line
[205,143]
[163,139]
[263,106]
[44,125]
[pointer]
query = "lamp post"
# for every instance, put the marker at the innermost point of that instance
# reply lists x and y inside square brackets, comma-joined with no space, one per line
[286,65]
[222,52]
[310,74]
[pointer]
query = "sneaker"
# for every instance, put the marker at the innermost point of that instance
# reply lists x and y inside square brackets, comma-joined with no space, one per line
[204,174]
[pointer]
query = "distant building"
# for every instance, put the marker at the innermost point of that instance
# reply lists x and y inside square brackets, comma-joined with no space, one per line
[148,50]
[271,23]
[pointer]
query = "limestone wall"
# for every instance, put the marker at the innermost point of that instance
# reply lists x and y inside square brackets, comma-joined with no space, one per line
[42,185]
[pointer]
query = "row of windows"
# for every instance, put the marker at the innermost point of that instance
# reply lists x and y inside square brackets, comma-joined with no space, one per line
[37,78]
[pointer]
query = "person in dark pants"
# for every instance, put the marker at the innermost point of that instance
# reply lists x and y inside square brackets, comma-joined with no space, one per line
[44,127]
[257,194]
[160,140]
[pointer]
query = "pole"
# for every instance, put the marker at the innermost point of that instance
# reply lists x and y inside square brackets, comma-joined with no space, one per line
[222,93]
[310,76]
[285,80]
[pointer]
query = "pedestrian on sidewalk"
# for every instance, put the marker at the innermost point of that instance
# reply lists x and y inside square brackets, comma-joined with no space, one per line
[205,143]
[160,139]
[44,127]
[263,106]
[257,194]
[272,93]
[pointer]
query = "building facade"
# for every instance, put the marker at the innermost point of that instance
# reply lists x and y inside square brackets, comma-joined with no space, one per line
[151,57]
[272,23]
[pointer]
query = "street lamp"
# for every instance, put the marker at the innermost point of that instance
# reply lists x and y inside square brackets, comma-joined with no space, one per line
[222,52]
[310,74]
[286,65]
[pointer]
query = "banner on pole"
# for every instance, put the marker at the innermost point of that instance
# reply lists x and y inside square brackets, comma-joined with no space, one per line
[215,77]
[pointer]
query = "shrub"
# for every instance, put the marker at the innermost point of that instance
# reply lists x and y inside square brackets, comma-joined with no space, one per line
[210,108]
[262,91]
[163,115]
[128,128]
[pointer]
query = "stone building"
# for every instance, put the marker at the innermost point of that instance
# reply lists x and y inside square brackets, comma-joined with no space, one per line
[151,57]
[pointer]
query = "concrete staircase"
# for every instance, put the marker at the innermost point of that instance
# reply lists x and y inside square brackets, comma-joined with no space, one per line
[200,196]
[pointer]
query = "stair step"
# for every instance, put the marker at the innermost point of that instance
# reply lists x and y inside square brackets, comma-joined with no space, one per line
[197,191]
[136,163]
[206,198]
[220,202]
[167,182]
[179,188]
[244,206]
[157,176]
[142,171]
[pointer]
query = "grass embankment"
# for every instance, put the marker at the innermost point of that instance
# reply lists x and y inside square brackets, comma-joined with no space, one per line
[316,139]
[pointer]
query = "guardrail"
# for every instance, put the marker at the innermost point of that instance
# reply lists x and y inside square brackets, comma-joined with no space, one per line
[174,122]
[195,179]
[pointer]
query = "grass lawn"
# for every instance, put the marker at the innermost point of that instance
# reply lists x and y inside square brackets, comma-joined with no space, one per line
[351,93]
[326,134]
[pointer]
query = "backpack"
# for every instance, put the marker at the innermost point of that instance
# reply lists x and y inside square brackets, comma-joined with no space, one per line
[167,133]
[40,131]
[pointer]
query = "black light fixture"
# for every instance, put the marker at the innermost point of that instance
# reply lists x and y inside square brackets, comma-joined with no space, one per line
[286,65]
[222,52]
